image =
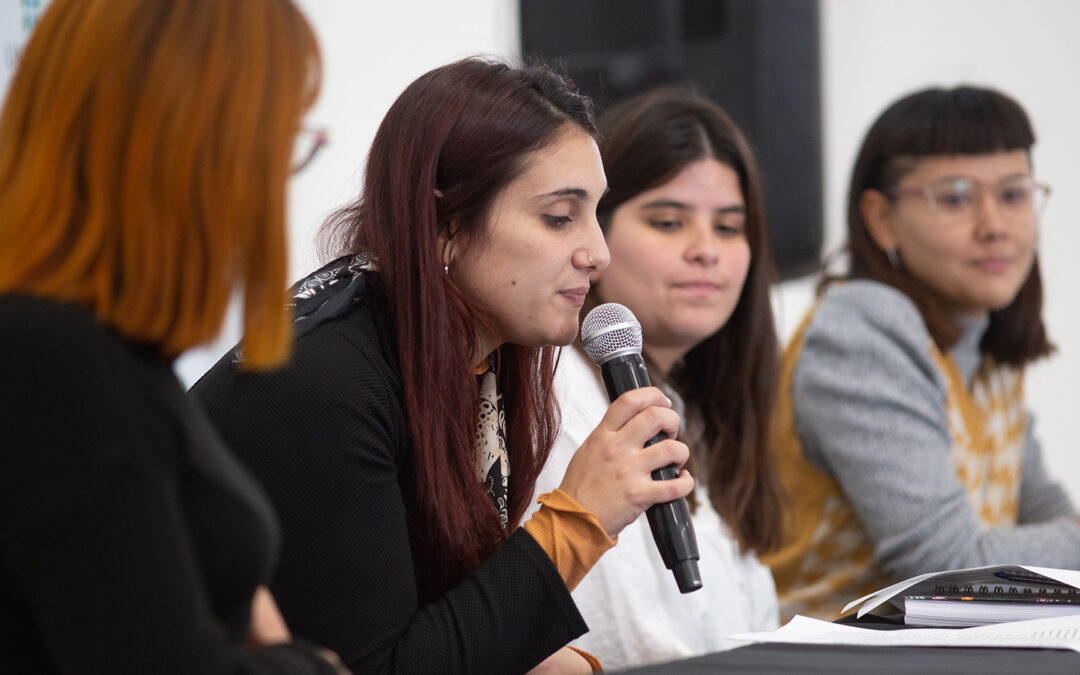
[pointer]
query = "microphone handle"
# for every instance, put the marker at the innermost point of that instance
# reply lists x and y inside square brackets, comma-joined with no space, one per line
[672,529]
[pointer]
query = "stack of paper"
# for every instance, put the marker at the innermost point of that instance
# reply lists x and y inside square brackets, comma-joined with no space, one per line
[1061,633]
[960,611]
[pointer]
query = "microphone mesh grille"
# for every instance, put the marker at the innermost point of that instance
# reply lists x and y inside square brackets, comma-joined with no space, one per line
[608,329]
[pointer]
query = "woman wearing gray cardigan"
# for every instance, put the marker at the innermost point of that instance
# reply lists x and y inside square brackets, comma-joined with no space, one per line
[902,432]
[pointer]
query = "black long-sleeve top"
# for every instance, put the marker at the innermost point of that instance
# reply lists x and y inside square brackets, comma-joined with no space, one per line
[327,437]
[130,541]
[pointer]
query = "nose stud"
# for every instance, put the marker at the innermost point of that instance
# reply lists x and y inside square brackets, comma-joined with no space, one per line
[590,260]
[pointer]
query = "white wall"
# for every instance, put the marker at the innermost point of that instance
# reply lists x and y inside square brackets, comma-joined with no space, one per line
[17,19]
[371,49]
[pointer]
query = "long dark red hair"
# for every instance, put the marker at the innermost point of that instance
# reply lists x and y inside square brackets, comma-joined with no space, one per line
[462,132]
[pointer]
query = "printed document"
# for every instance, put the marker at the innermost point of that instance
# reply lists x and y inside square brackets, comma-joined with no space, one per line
[1055,633]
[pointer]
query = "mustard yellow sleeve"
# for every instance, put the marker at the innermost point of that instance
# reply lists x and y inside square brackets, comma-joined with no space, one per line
[571,535]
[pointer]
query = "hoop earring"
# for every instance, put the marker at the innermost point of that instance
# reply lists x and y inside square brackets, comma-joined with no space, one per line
[893,256]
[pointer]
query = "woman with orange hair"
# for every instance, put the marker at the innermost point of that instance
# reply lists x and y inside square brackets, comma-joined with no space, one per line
[144,153]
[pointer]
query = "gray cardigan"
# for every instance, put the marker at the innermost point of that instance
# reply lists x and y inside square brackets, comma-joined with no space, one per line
[869,403]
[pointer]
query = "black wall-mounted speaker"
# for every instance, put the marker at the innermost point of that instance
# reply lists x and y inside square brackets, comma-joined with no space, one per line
[758,59]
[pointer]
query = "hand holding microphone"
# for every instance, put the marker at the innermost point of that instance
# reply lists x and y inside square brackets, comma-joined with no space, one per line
[612,338]
[634,449]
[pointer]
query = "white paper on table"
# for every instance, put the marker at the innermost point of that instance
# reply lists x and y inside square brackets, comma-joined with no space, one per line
[1055,633]
[877,598]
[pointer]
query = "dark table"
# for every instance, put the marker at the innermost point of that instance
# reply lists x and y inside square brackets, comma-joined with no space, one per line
[793,658]
[802,658]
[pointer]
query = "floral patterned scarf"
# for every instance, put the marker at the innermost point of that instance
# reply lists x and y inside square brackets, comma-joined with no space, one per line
[492,460]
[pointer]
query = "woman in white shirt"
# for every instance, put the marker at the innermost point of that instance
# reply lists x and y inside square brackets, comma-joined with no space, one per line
[685,224]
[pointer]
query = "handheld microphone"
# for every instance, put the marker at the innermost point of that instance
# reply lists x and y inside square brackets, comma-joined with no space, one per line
[612,339]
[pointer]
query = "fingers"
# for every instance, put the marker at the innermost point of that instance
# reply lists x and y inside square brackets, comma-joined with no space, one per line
[630,404]
[660,491]
[640,415]
[611,473]
[647,423]
[665,452]
[266,626]
[333,659]
[662,454]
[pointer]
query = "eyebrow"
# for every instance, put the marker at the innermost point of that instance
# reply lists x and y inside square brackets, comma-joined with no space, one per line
[1011,176]
[579,193]
[672,204]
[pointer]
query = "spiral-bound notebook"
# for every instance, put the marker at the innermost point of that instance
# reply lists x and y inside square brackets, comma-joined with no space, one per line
[980,596]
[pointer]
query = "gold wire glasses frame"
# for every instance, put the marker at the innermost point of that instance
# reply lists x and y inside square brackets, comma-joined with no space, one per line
[957,198]
[307,145]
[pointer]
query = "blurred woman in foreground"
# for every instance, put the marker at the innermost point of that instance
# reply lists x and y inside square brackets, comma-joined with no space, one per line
[144,152]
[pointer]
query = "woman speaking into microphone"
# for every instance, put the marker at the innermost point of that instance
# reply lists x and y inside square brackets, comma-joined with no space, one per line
[402,444]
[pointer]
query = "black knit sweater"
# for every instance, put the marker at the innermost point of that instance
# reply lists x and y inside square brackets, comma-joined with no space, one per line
[130,540]
[328,439]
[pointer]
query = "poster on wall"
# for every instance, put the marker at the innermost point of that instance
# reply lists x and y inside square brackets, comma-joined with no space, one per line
[17,19]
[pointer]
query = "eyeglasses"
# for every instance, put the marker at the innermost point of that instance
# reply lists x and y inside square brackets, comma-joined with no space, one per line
[1020,199]
[307,144]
